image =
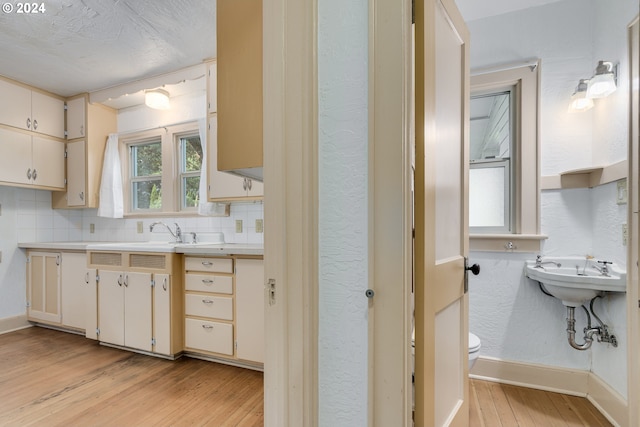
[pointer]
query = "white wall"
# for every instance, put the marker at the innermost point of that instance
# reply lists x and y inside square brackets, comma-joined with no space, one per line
[343,263]
[26,215]
[512,317]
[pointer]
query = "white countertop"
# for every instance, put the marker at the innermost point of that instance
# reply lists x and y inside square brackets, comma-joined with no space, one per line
[183,248]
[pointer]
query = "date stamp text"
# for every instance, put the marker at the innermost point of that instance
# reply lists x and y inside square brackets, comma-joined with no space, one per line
[24,8]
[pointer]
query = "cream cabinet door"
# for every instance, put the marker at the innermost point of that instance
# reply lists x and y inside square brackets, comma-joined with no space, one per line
[91,301]
[111,306]
[76,173]
[221,185]
[15,156]
[48,162]
[43,286]
[254,188]
[137,311]
[75,279]
[15,105]
[162,313]
[250,309]
[47,114]
[76,114]
[212,79]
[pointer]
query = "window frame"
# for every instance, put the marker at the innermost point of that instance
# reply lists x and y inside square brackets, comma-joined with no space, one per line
[169,137]
[525,158]
[181,176]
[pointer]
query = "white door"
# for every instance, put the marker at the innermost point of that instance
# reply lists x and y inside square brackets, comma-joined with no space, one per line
[441,242]
[250,310]
[137,310]
[76,173]
[74,282]
[111,307]
[162,313]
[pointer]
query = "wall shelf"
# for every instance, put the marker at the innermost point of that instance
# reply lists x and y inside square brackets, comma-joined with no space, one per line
[585,177]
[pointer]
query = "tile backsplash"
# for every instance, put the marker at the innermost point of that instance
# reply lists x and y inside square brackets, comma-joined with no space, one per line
[37,222]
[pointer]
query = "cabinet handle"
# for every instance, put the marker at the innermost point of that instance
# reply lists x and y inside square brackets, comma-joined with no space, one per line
[35,174]
[207,301]
[244,184]
[120,280]
[82,130]
[207,281]
[35,124]
[207,263]
[249,182]
[86,278]
[28,123]
[126,280]
[81,195]
[29,174]
[207,327]
[164,283]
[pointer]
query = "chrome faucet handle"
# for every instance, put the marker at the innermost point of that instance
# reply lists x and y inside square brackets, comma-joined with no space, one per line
[178,233]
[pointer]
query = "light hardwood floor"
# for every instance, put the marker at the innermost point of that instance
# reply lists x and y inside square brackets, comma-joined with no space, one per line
[502,405]
[51,378]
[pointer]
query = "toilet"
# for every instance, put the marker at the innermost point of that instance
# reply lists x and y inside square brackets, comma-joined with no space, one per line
[474,348]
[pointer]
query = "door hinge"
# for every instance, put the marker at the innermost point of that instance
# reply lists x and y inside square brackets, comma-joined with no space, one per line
[97,331]
[66,153]
[65,181]
[153,341]
[153,283]
[28,304]
[66,107]
[271,288]
[97,278]
[66,134]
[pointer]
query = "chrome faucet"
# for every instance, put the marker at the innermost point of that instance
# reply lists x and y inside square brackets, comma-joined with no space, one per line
[540,263]
[604,270]
[177,235]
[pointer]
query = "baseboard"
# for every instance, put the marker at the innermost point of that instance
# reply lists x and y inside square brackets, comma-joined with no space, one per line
[10,324]
[559,380]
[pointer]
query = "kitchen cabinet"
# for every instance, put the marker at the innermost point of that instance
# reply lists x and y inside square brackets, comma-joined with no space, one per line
[212,78]
[88,127]
[140,302]
[30,109]
[239,87]
[224,308]
[29,160]
[224,186]
[250,309]
[78,301]
[43,287]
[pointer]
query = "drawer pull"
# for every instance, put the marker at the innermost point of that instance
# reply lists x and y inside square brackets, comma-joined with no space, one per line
[207,327]
[207,281]
[207,263]
[207,301]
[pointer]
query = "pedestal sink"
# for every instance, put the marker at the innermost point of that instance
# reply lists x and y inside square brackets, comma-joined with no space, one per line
[576,280]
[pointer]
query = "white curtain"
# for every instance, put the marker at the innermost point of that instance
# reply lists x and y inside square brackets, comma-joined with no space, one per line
[204,207]
[111,198]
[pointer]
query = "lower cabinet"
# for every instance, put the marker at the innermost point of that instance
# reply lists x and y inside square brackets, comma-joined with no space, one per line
[139,301]
[224,308]
[43,287]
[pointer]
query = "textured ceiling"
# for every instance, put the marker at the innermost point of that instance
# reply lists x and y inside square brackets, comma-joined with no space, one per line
[85,45]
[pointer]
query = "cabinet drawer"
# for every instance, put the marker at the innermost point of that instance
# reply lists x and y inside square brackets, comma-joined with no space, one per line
[209,336]
[209,283]
[208,306]
[221,265]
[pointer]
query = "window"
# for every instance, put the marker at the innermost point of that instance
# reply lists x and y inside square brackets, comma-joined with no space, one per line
[503,154]
[163,170]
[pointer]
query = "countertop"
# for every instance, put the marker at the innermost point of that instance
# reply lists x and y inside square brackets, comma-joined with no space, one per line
[185,248]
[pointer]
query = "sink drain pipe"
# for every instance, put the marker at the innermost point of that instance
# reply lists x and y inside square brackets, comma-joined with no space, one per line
[589,332]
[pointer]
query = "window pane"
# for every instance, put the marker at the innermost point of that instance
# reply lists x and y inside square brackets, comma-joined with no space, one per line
[190,187]
[147,194]
[146,159]
[487,197]
[490,133]
[191,153]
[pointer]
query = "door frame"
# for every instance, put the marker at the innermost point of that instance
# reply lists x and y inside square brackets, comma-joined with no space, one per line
[290,118]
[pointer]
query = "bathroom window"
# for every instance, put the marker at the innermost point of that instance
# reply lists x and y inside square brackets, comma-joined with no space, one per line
[503,156]
[163,170]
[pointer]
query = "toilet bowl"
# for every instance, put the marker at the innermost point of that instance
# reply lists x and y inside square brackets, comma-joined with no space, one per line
[474,348]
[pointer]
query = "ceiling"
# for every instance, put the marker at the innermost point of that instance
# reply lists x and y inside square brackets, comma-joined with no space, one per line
[77,46]
[85,45]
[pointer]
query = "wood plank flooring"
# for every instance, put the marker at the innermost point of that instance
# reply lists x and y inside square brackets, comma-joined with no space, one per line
[51,378]
[502,405]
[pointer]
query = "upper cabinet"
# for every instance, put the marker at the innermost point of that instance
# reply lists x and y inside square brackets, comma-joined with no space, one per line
[239,86]
[212,97]
[31,110]
[88,127]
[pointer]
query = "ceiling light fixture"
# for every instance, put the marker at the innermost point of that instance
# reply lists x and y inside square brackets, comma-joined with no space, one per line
[579,100]
[603,83]
[157,98]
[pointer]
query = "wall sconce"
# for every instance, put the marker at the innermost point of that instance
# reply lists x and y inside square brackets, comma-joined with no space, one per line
[579,100]
[157,99]
[603,83]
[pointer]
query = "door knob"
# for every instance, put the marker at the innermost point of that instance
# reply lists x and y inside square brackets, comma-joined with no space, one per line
[475,269]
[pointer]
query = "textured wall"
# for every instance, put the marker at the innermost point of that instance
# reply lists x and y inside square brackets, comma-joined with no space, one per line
[512,317]
[342,92]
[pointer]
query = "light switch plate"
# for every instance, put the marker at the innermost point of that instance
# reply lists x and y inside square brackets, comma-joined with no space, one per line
[92,228]
[259,226]
[238,226]
[621,195]
[625,234]
[140,227]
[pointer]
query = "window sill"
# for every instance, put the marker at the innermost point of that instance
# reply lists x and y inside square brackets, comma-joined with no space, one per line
[521,243]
